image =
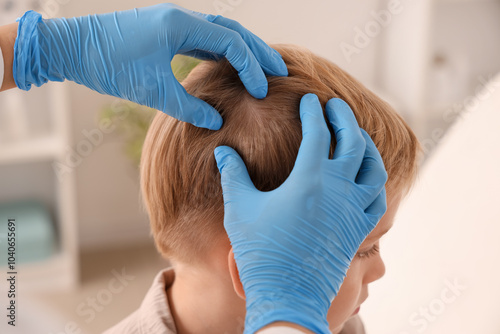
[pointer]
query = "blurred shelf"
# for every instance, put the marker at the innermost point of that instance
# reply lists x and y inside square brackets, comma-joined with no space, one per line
[25,162]
[36,149]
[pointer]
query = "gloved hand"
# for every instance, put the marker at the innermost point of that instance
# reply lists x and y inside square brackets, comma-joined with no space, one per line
[293,245]
[127,54]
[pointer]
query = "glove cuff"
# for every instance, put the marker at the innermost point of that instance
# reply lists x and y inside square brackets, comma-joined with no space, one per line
[270,308]
[25,55]
[37,57]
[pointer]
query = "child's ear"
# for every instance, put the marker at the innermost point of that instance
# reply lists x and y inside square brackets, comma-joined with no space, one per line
[235,276]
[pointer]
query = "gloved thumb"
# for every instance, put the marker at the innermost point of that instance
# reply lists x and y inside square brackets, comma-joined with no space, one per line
[188,108]
[233,172]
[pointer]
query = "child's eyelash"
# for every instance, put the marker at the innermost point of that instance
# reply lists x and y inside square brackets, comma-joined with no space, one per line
[372,251]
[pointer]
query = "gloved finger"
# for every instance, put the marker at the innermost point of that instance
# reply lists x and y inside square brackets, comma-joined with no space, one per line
[316,137]
[187,108]
[269,59]
[351,145]
[376,210]
[203,55]
[233,173]
[217,39]
[372,171]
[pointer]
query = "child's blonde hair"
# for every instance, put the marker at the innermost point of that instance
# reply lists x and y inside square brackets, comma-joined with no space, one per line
[179,177]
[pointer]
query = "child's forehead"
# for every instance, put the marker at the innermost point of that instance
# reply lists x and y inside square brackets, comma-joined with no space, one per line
[383,226]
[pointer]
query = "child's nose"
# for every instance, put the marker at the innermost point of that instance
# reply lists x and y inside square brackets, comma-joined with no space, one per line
[375,271]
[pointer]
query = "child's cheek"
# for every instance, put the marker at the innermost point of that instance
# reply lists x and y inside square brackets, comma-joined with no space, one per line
[348,298]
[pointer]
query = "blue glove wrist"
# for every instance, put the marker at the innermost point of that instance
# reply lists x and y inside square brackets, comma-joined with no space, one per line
[60,48]
[26,71]
[269,307]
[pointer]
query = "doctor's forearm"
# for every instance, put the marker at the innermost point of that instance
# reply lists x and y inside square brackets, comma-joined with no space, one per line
[8,34]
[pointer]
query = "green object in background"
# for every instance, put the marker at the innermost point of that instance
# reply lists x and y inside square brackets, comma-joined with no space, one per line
[35,232]
[132,120]
[182,65]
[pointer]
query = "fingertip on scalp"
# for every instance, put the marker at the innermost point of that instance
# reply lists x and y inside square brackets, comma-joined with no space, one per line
[260,92]
[255,83]
[333,107]
[339,112]
[215,124]
[337,104]
[282,69]
[310,97]
[306,101]
[203,115]
[219,150]
[220,154]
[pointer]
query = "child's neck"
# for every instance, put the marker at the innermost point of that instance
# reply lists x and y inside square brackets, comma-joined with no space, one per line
[203,300]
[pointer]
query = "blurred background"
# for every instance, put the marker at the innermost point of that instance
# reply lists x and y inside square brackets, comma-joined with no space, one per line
[69,165]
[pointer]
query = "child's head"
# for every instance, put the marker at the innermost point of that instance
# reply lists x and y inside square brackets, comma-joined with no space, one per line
[181,183]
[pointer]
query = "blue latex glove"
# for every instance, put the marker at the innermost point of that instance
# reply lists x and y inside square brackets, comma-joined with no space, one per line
[127,54]
[293,245]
